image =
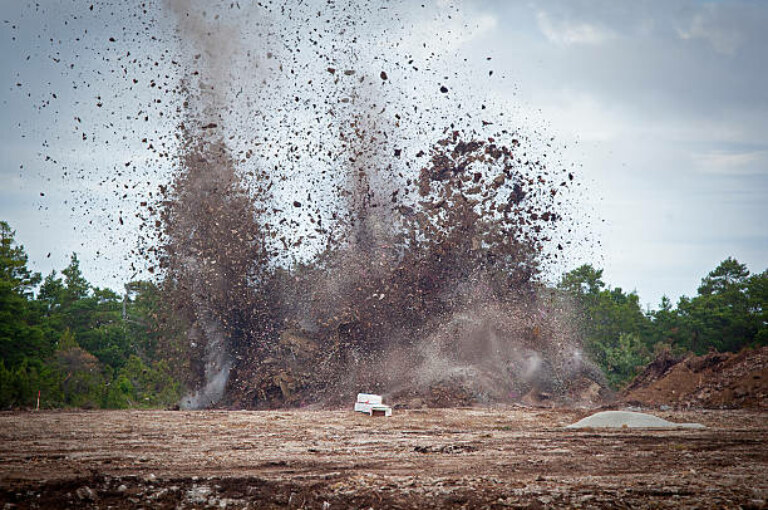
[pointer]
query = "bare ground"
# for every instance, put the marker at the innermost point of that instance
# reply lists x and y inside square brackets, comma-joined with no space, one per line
[436,458]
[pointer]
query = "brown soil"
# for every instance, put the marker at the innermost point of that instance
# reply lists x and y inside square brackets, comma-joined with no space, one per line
[716,380]
[430,458]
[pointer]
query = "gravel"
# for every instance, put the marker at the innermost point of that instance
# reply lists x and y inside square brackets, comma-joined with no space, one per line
[629,419]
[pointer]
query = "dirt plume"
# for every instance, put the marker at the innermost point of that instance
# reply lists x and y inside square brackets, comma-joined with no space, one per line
[438,288]
[340,206]
[213,256]
[417,273]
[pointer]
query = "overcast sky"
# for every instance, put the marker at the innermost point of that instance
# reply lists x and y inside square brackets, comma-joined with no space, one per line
[662,106]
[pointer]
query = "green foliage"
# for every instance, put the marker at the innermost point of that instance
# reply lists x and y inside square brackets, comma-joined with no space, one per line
[119,394]
[727,277]
[623,361]
[613,324]
[726,313]
[139,385]
[757,302]
[13,263]
[583,281]
[75,285]
[80,374]
[729,312]
[21,337]
[82,346]
[157,332]
[19,386]
[93,315]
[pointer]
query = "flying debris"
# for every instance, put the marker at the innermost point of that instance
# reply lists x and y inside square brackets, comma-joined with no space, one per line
[314,231]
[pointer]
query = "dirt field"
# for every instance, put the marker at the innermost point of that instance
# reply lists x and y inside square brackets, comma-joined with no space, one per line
[470,457]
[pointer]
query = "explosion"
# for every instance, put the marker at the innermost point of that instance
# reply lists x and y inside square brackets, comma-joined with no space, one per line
[418,275]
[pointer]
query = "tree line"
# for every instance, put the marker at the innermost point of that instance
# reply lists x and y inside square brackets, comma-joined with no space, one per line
[77,345]
[728,313]
[83,346]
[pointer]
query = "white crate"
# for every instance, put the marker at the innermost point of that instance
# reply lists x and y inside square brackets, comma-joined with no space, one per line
[372,405]
[369,398]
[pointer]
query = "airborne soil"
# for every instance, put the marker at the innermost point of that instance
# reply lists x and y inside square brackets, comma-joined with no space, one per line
[419,458]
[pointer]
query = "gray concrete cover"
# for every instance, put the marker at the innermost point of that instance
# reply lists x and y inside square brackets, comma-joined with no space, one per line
[629,419]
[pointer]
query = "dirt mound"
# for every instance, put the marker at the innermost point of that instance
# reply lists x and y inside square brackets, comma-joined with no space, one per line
[719,380]
[627,419]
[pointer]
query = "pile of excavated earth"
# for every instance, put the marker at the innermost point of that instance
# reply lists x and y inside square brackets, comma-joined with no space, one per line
[715,380]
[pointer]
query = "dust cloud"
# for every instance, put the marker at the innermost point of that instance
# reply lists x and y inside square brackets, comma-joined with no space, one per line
[367,250]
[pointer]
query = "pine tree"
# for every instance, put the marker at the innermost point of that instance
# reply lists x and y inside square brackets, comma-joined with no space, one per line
[20,337]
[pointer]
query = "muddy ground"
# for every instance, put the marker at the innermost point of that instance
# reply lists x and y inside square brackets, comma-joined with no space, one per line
[436,458]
